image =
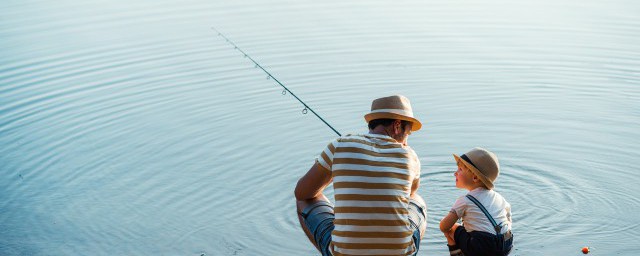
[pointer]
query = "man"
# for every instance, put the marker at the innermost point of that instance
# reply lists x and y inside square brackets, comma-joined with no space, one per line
[375,177]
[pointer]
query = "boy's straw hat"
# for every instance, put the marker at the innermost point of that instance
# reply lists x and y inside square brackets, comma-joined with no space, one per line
[393,107]
[482,163]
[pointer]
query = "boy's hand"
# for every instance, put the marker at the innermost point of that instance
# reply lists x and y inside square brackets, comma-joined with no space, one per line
[448,226]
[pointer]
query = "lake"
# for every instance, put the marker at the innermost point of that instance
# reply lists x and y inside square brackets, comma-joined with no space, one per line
[132,128]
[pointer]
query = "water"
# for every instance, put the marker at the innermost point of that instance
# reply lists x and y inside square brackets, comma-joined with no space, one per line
[131,128]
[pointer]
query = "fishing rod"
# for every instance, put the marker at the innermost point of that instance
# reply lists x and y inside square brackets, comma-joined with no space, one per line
[269,76]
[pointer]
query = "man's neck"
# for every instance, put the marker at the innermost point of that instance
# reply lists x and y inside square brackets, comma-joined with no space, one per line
[378,130]
[381,131]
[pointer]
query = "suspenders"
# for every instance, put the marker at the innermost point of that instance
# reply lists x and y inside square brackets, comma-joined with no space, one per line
[498,228]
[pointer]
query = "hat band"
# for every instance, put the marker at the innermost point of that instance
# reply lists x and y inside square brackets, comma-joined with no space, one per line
[464,157]
[395,111]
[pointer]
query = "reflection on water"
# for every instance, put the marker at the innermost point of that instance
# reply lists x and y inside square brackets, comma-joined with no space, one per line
[131,128]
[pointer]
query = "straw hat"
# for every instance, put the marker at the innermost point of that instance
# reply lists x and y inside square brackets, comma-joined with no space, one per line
[482,163]
[393,107]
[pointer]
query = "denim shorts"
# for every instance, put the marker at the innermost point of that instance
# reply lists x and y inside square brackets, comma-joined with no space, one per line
[319,218]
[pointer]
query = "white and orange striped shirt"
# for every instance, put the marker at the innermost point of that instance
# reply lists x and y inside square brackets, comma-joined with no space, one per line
[372,178]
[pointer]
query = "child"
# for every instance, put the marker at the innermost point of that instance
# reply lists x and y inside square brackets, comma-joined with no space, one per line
[486,215]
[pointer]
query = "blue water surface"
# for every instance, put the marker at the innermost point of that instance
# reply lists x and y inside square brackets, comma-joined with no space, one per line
[132,128]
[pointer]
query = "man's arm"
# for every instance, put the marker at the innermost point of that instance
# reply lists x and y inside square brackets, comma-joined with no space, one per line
[313,182]
[414,186]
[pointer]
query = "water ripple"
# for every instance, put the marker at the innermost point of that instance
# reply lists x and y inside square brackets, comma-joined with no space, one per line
[134,125]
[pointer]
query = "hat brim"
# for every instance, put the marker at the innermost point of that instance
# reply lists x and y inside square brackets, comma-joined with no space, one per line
[486,181]
[416,125]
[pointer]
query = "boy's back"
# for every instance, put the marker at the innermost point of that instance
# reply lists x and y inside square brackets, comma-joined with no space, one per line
[475,220]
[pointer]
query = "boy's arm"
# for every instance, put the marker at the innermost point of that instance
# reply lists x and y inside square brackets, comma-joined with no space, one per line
[448,221]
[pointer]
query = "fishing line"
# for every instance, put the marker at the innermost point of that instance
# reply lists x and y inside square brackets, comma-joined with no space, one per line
[269,76]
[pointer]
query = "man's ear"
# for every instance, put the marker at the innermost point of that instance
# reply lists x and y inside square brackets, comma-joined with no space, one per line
[397,125]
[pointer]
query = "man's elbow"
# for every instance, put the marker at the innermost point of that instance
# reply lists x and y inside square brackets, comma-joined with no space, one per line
[297,193]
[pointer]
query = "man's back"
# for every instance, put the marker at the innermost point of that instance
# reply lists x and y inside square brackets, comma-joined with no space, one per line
[372,176]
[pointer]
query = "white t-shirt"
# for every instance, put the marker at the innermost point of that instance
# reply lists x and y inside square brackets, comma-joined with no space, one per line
[474,219]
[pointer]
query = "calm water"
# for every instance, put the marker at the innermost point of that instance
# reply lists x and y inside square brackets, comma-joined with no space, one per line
[131,128]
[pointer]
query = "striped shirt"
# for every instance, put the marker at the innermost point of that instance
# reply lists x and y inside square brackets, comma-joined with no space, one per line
[372,178]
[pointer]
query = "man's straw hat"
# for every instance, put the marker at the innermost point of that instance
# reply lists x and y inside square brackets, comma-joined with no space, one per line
[393,107]
[482,163]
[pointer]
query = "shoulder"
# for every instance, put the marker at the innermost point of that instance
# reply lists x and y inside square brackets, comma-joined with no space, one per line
[371,140]
[495,199]
[411,152]
[350,138]
[333,144]
[491,193]
[461,201]
[460,206]
[414,160]
[501,198]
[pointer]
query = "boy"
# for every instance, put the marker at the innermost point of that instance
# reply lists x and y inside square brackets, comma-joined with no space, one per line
[486,215]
